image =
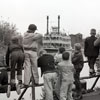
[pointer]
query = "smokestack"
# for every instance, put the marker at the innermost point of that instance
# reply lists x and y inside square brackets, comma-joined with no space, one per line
[58,24]
[47,24]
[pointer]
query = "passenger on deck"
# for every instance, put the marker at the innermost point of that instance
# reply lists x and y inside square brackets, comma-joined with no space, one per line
[32,45]
[77,60]
[91,51]
[15,58]
[47,65]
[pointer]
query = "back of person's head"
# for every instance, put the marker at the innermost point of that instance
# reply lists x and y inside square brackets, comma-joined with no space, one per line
[42,52]
[93,32]
[15,39]
[61,50]
[77,46]
[65,56]
[32,28]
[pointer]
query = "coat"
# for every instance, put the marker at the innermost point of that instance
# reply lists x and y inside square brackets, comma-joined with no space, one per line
[89,49]
[77,60]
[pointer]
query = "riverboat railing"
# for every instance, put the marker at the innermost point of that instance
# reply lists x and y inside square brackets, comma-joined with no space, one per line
[33,85]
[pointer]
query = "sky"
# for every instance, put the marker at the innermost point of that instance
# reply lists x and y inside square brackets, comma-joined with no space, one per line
[77,16]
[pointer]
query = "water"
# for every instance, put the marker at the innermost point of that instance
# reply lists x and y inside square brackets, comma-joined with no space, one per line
[85,72]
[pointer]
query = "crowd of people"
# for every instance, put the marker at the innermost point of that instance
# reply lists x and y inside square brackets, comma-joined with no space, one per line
[59,72]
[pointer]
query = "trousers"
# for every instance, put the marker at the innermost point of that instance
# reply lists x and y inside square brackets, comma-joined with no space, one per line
[16,61]
[49,84]
[30,67]
[77,81]
[91,62]
[66,87]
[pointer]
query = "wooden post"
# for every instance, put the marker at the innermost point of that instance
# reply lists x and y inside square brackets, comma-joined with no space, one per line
[33,88]
[33,85]
[95,82]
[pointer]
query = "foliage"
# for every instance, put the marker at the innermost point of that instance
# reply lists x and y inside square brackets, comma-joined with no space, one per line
[6,31]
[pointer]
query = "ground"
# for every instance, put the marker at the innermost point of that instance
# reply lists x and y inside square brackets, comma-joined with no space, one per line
[92,96]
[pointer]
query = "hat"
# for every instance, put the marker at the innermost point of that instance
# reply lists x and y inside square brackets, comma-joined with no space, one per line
[32,27]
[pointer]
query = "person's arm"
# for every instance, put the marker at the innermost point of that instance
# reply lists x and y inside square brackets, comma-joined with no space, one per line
[75,58]
[7,56]
[36,36]
[72,69]
[85,46]
[97,42]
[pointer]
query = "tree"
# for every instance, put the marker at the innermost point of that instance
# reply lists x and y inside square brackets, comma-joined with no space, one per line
[6,32]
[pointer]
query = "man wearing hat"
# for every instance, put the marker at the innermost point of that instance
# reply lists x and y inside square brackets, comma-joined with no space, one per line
[90,51]
[32,43]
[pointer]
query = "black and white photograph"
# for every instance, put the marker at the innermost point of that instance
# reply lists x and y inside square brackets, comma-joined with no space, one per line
[50,50]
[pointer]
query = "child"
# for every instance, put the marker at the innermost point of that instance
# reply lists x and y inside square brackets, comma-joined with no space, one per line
[47,65]
[15,58]
[66,68]
[91,51]
[77,60]
[58,58]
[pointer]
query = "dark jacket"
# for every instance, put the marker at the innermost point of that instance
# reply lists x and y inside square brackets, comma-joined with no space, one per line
[46,63]
[14,48]
[77,60]
[89,49]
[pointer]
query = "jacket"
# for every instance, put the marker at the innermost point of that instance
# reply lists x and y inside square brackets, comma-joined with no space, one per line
[66,68]
[32,41]
[89,49]
[13,48]
[46,63]
[77,60]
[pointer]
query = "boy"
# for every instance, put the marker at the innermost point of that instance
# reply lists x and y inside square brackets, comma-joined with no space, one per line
[77,60]
[15,58]
[47,65]
[58,58]
[66,68]
[91,51]
[32,43]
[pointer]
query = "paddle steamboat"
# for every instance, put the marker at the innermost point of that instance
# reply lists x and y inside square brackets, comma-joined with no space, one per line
[55,38]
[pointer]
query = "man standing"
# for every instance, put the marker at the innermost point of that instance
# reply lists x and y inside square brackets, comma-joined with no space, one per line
[90,51]
[32,43]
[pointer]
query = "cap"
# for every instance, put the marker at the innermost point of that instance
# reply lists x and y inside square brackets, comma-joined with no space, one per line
[32,27]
